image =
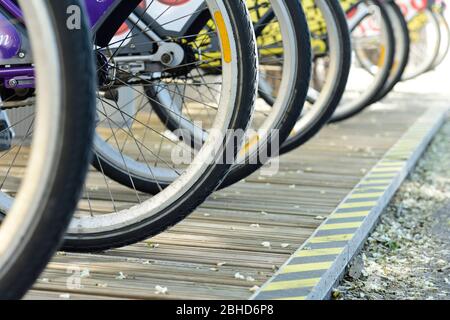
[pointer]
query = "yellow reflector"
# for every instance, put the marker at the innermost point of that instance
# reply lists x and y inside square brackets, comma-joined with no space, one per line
[223,33]
[382,56]
[252,141]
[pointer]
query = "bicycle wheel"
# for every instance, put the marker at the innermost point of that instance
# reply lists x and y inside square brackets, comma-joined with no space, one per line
[402,43]
[42,171]
[444,40]
[373,45]
[283,82]
[284,71]
[217,87]
[425,43]
[331,66]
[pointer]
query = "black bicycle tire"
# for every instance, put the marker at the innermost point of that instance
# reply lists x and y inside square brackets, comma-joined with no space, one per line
[300,138]
[406,76]
[442,55]
[77,119]
[384,73]
[284,126]
[196,195]
[396,76]
[241,171]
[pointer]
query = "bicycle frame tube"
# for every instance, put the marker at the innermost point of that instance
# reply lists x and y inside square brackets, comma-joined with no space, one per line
[107,16]
[96,10]
[104,16]
[12,8]
[99,9]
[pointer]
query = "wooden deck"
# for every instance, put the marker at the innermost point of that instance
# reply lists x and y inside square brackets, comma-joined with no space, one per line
[222,250]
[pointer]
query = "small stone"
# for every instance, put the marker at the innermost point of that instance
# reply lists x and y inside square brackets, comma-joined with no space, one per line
[121,276]
[239,276]
[85,273]
[336,293]
[254,289]
[266,244]
[355,270]
[161,290]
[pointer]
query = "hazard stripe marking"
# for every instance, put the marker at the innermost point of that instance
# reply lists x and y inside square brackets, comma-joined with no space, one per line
[311,271]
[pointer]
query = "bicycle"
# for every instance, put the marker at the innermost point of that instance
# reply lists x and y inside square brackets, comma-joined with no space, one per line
[43,64]
[161,57]
[237,65]
[425,34]
[373,45]
[402,45]
[439,8]
[331,44]
[284,63]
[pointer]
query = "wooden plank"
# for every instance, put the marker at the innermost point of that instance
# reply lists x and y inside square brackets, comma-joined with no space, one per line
[205,256]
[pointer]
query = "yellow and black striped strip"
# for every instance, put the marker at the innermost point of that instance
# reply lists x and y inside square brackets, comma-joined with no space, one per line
[313,269]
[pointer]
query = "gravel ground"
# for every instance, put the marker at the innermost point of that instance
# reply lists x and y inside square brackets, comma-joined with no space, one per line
[408,254]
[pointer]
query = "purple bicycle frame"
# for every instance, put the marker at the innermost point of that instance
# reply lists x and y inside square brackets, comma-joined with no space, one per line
[114,12]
